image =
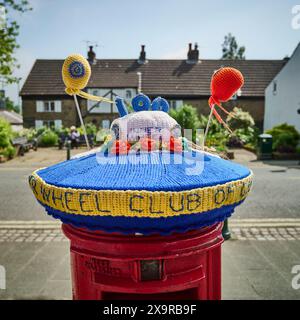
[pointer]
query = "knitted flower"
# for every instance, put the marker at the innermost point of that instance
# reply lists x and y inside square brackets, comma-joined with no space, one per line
[148,144]
[175,144]
[120,147]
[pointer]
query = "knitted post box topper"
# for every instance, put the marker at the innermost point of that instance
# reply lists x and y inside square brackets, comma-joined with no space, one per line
[144,179]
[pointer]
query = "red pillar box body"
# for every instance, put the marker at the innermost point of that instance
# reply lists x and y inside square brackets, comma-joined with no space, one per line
[178,266]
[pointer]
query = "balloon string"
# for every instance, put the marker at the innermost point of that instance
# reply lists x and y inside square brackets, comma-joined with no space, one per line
[227,112]
[81,121]
[94,98]
[214,112]
[212,107]
[86,95]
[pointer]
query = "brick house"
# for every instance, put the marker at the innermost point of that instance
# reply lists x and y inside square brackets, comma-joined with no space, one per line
[180,81]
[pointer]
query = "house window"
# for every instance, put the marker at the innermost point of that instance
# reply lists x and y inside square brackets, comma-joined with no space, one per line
[48,106]
[175,104]
[274,87]
[49,123]
[99,107]
[128,94]
[172,104]
[105,124]
[110,93]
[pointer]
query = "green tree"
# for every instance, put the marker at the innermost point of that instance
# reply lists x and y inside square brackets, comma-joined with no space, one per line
[231,50]
[9,32]
[9,105]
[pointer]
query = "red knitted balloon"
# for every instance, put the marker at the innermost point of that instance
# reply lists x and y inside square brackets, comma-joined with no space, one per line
[225,83]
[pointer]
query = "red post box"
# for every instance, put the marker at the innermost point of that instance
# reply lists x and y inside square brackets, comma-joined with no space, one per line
[175,267]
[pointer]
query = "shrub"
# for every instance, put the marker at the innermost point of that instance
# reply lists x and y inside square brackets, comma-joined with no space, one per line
[217,140]
[285,138]
[217,135]
[243,131]
[61,130]
[9,152]
[90,129]
[187,117]
[48,138]
[243,127]
[242,119]
[40,131]
[30,134]
[6,135]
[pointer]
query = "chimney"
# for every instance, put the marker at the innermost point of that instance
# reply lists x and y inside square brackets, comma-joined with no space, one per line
[196,52]
[193,54]
[91,56]
[189,52]
[142,57]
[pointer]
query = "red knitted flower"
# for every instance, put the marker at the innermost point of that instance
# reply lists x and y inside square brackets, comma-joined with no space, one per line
[147,144]
[120,147]
[175,145]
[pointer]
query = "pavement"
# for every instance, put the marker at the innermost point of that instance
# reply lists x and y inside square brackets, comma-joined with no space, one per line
[258,261]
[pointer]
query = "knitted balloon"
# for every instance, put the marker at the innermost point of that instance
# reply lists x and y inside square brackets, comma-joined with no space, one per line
[76,72]
[224,84]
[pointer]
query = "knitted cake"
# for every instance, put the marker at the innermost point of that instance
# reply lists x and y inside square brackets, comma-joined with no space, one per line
[144,179]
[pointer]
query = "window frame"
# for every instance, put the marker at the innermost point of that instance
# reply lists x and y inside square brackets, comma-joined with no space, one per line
[49,106]
[275,87]
[48,125]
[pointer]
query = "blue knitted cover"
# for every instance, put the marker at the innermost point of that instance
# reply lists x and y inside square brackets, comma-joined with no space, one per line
[149,193]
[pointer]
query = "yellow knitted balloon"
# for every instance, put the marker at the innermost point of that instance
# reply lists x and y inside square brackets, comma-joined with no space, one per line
[76,72]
